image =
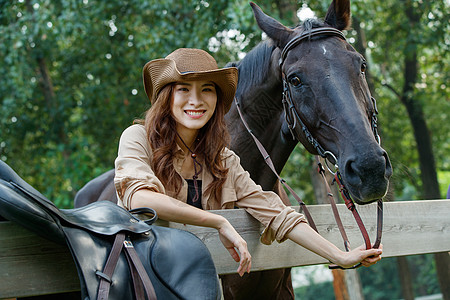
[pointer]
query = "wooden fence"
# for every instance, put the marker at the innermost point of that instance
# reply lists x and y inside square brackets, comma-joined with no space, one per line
[30,265]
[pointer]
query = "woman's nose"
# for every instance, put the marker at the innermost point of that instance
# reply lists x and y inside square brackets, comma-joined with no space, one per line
[195,98]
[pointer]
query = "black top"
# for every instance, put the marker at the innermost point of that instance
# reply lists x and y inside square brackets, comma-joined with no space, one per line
[191,193]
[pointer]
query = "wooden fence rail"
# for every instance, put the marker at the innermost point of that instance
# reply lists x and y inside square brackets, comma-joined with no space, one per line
[30,265]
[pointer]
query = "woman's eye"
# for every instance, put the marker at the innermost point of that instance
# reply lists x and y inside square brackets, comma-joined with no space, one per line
[363,68]
[209,88]
[295,81]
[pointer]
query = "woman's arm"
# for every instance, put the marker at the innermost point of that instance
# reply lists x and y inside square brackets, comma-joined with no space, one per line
[283,222]
[305,236]
[173,210]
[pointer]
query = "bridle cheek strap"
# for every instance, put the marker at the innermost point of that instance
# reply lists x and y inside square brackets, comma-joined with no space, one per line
[292,118]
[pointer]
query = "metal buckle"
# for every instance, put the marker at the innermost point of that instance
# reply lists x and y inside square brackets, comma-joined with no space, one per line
[128,244]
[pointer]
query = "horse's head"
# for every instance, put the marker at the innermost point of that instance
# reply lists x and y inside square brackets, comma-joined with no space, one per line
[325,79]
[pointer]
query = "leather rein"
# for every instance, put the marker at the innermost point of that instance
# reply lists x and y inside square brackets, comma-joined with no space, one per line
[294,122]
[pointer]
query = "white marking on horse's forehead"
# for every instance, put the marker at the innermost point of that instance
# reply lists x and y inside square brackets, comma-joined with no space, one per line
[324,49]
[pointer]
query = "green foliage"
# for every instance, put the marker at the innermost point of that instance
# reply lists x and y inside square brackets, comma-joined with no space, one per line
[383,279]
[380,280]
[71,79]
[322,291]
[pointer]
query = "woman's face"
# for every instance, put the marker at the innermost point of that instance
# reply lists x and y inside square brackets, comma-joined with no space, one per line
[193,104]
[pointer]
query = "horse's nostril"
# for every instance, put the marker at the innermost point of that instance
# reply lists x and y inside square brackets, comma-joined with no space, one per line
[352,173]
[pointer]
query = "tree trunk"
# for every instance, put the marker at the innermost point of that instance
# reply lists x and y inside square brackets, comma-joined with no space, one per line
[430,185]
[443,273]
[428,174]
[353,283]
[404,273]
[339,286]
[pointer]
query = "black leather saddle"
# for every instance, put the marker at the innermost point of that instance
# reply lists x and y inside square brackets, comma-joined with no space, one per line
[117,255]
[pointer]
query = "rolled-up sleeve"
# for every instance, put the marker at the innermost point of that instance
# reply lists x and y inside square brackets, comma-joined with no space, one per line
[132,166]
[265,206]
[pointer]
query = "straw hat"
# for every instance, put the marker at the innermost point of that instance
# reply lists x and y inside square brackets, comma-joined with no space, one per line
[189,64]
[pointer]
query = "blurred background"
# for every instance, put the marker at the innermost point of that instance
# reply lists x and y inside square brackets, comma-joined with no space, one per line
[70,83]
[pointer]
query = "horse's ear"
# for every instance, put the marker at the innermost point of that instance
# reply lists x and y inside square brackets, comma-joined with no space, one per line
[274,29]
[338,15]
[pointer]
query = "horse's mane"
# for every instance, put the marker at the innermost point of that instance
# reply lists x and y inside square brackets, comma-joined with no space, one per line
[254,67]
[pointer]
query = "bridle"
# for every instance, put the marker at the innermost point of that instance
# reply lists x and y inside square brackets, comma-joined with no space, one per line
[295,124]
[291,115]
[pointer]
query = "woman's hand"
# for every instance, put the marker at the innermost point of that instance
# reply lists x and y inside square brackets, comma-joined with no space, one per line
[360,254]
[305,236]
[236,245]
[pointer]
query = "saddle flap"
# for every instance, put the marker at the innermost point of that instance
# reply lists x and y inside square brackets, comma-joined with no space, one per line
[104,217]
[182,261]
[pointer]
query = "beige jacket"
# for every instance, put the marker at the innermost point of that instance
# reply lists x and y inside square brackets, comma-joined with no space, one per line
[133,172]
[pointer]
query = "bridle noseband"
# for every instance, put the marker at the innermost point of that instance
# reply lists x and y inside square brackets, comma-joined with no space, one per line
[293,120]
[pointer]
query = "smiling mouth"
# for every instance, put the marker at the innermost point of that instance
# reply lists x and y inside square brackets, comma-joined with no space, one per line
[195,113]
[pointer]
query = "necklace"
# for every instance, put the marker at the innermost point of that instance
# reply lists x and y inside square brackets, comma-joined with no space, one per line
[197,169]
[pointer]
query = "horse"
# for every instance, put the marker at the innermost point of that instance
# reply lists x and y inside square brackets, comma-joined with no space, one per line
[331,114]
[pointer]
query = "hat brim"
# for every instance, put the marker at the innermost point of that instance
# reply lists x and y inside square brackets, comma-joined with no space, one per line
[160,72]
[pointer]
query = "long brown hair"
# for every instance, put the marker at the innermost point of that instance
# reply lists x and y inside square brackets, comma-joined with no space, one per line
[210,143]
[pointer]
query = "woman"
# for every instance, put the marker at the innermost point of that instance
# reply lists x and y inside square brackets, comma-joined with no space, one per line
[176,161]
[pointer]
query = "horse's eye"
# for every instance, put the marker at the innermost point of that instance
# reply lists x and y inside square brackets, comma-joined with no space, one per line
[295,81]
[363,68]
